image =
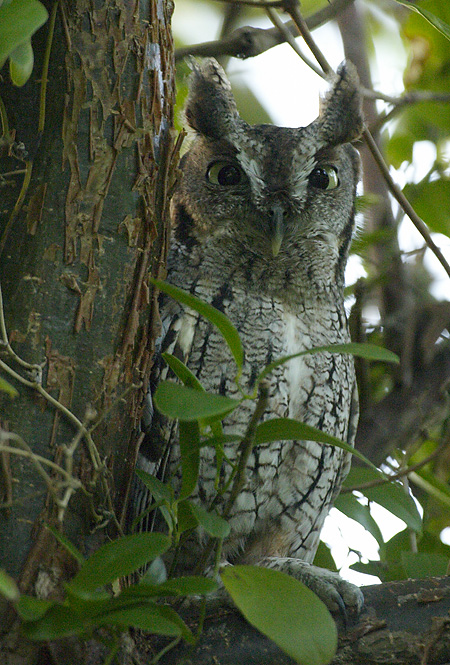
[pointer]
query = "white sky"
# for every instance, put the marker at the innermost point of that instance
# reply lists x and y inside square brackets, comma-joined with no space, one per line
[289,91]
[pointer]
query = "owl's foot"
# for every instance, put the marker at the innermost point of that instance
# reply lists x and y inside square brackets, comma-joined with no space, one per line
[338,594]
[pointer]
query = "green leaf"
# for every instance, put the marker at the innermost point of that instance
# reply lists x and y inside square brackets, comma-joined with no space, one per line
[187,404]
[349,505]
[190,456]
[367,351]
[284,610]
[118,558]
[212,523]
[217,318]
[179,586]
[186,520]
[182,372]
[159,490]
[32,609]
[438,191]
[59,621]
[8,587]
[18,21]
[419,565]
[21,62]
[220,440]
[7,388]
[390,495]
[287,429]
[323,557]
[148,616]
[435,21]
[375,568]
[65,542]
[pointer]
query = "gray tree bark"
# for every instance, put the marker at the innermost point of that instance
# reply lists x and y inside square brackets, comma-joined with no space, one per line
[77,251]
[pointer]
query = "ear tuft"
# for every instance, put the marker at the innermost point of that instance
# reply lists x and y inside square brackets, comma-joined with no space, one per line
[341,118]
[210,107]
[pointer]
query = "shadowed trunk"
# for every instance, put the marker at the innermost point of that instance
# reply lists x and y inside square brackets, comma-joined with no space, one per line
[77,252]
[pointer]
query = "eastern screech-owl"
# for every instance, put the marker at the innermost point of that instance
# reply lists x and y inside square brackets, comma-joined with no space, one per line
[262,222]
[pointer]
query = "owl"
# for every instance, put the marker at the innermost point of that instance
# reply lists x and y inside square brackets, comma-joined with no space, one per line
[263,217]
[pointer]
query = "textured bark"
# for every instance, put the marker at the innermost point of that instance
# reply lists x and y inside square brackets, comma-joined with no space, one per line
[76,262]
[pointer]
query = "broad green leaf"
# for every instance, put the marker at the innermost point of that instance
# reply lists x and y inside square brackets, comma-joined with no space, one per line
[118,558]
[419,565]
[375,568]
[349,505]
[65,542]
[284,610]
[59,621]
[18,21]
[8,587]
[182,372]
[210,313]
[323,557]
[287,429]
[435,21]
[178,586]
[6,387]
[186,520]
[390,495]
[148,616]
[220,440]
[367,351]
[212,523]
[160,491]
[437,191]
[32,609]
[177,401]
[21,62]
[190,456]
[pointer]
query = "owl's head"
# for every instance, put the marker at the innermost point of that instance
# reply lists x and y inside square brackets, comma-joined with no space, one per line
[269,189]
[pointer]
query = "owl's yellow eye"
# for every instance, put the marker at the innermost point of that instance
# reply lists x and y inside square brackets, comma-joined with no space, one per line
[224,174]
[324,177]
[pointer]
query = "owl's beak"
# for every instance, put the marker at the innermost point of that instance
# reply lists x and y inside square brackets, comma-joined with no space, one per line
[276,243]
[277,227]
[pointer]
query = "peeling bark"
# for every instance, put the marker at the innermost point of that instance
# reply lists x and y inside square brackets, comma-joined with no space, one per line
[77,259]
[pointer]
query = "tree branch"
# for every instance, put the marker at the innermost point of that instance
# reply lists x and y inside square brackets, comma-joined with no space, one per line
[248,42]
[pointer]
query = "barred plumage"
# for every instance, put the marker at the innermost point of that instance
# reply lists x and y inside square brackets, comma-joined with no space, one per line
[263,218]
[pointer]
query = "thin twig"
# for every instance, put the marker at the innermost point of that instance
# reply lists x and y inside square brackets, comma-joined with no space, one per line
[255,3]
[18,204]
[45,66]
[292,8]
[246,447]
[38,460]
[244,450]
[290,39]
[399,474]
[403,201]
[35,369]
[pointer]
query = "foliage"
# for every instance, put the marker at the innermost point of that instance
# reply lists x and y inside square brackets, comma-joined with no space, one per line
[19,20]
[88,605]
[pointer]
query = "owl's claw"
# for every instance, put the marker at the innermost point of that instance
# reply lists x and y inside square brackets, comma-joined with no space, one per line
[338,594]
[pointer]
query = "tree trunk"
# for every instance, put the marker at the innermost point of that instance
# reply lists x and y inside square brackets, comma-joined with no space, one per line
[77,252]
